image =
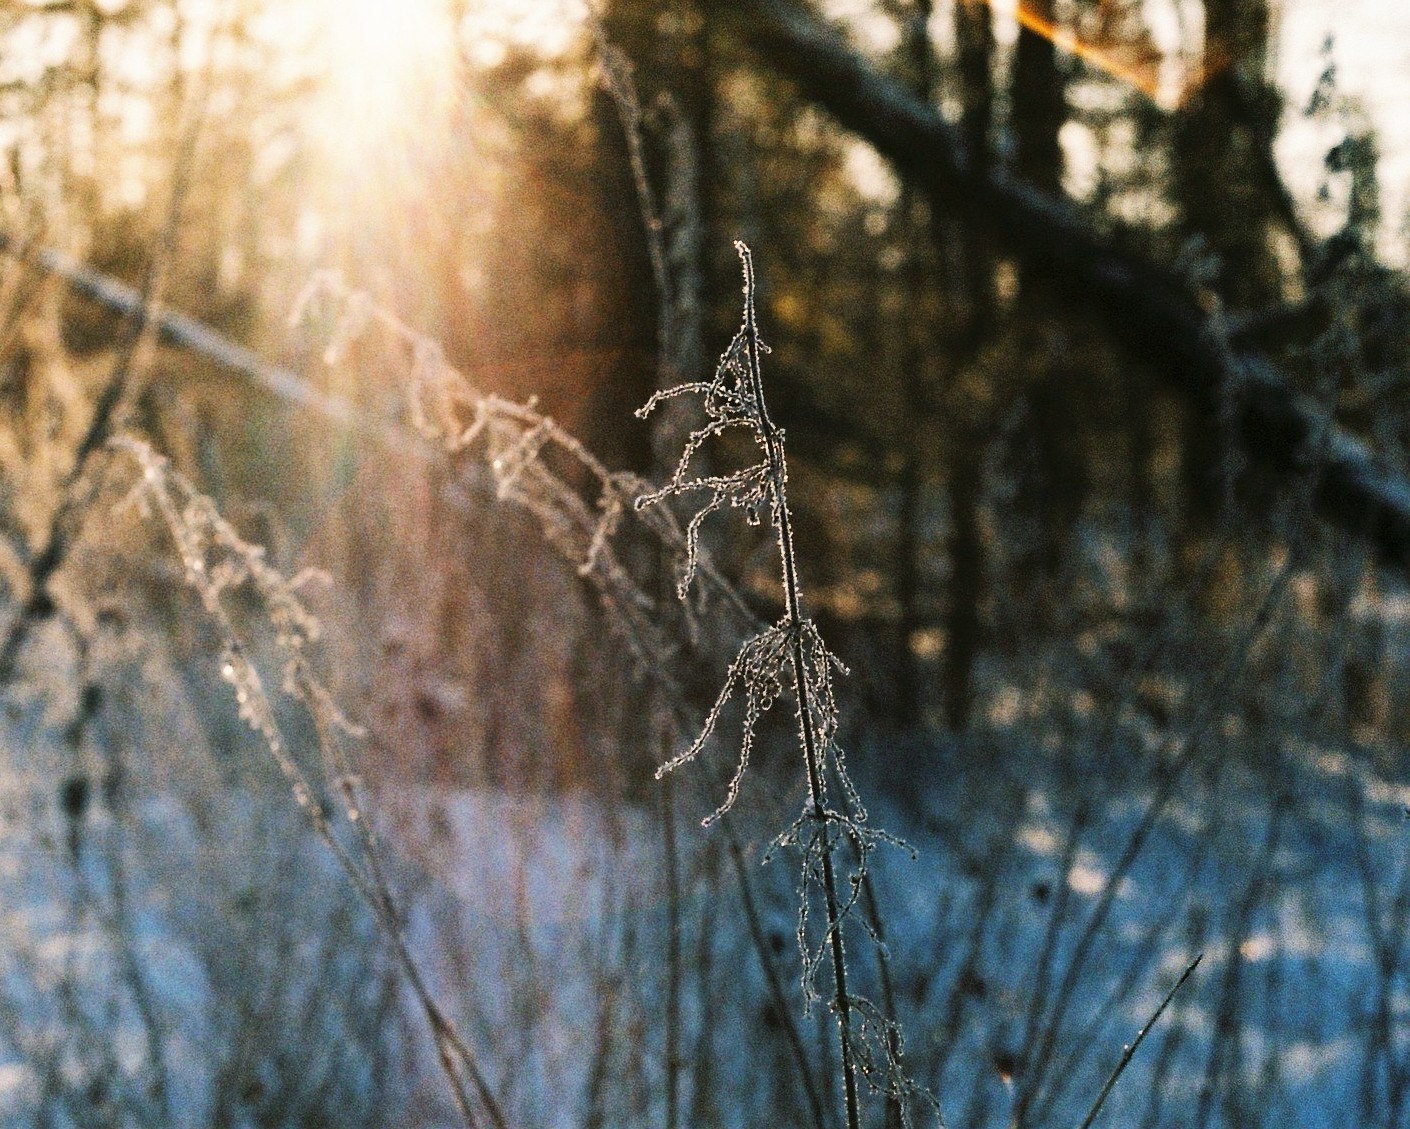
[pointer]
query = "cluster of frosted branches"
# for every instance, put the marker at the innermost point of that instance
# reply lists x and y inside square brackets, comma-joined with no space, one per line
[790,655]
[787,658]
[218,563]
[731,403]
[874,1036]
[759,670]
[520,446]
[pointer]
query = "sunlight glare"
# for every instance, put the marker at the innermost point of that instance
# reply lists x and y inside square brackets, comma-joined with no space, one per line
[389,62]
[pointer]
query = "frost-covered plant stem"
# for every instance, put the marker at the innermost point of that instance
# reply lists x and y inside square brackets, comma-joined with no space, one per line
[778,476]
[788,656]
[217,562]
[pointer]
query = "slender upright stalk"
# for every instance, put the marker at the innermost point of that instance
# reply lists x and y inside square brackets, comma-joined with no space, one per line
[1130,1048]
[817,795]
[674,1061]
[775,983]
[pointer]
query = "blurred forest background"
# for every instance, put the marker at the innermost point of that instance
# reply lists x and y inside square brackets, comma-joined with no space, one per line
[1089,337]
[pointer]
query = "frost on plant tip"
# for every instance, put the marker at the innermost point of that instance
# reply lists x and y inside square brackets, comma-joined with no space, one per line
[788,657]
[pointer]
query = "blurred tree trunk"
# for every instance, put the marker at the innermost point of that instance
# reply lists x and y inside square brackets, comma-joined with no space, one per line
[1219,152]
[631,327]
[1038,105]
[663,205]
[974,38]
[910,692]
[690,171]
[1055,495]
[1037,113]
[1221,138]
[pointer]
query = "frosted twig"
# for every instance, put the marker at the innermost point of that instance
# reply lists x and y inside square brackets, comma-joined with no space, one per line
[516,443]
[789,657]
[217,561]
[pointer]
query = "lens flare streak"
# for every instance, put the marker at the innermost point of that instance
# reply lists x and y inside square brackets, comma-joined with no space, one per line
[1136,65]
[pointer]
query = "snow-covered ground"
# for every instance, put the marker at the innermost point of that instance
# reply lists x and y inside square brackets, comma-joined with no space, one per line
[160,959]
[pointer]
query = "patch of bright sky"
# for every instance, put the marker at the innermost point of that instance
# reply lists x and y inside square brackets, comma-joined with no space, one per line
[1005,22]
[34,44]
[1371,50]
[870,173]
[1176,28]
[872,30]
[493,27]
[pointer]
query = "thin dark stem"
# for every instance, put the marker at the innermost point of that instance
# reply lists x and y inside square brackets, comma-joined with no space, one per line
[894,1112]
[812,755]
[617,77]
[77,488]
[674,1061]
[1130,1049]
[775,983]
[1386,945]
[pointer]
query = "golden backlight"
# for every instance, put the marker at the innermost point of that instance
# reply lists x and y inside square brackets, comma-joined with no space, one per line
[389,64]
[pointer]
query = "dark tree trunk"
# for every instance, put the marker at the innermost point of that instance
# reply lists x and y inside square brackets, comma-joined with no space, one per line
[963,635]
[1039,107]
[974,39]
[974,35]
[1220,147]
[910,483]
[1221,139]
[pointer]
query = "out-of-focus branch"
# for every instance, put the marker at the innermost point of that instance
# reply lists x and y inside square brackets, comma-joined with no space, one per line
[183,331]
[147,318]
[79,486]
[1146,307]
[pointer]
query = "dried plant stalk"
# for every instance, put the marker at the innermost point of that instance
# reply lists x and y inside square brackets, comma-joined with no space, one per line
[787,658]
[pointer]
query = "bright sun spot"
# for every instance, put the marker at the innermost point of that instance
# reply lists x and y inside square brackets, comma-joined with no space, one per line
[389,63]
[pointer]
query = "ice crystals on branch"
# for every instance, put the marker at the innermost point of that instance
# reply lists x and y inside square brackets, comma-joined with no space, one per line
[217,561]
[788,658]
[731,403]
